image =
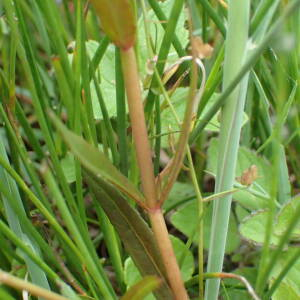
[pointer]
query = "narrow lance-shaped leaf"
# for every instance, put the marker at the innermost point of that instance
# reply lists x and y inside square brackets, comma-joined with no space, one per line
[107,182]
[117,20]
[96,162]
[133,230]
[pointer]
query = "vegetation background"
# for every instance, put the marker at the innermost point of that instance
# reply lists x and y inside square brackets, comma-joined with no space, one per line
[149,149]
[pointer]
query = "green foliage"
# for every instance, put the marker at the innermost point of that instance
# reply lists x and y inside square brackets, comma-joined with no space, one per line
[132,275]
[169,125]
[256,196]
[141,289]
[181,192]
[186,219]
[289,287]
[97,163]
[253,227]
[73,214]
[106,183]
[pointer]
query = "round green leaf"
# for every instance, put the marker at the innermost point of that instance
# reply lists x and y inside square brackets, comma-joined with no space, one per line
[186,219]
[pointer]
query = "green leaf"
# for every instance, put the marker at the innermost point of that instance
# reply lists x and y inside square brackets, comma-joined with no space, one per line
[136,235]
[253,227]
[235,294]
[132,275]
[141,289]
[249,198]
[289,288]
[169,124]
[186,218]
[96,162]
[107,183]
[117,20]
[106,75]
[284,186]
[67,291]
[187,266]
[247,272]
[178,99]
[68,166]
[106,69]
[181,191]
[5,295]
[214,124]
[284,218]
[157,33]
[236,289]
[286,292]
[38,276]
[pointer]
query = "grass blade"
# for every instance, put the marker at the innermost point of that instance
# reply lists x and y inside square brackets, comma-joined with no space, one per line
[38,276]
[231,122]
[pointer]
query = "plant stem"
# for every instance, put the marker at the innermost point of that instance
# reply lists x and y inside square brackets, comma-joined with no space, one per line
[139,129]
[184,135]
[242,279]
[200,225]
[166,249]
[20,284]
[144,155]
